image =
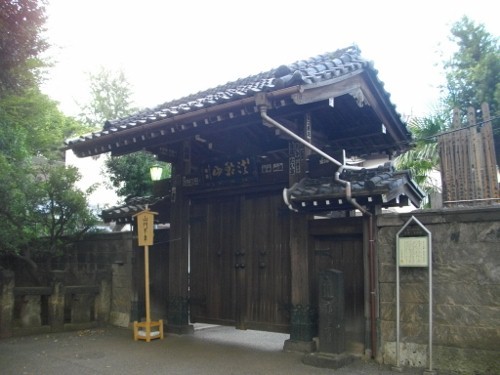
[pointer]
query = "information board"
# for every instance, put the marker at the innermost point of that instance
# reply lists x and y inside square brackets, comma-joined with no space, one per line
[413,252]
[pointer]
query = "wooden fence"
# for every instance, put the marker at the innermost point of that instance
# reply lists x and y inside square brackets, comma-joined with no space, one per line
[468,163]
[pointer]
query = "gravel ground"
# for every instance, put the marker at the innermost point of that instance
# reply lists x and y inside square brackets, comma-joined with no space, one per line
[210,350]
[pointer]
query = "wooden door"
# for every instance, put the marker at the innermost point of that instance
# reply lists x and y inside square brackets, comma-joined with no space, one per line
[214,239]
[265,242]
[240,263]
[345,253]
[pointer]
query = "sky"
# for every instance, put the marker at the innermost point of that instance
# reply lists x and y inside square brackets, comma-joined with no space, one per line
[172,48]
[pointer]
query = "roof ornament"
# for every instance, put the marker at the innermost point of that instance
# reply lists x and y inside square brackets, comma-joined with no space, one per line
[358,95]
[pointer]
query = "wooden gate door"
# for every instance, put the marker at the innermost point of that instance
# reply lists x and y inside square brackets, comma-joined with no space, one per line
[265,242]
[240,263]
[344,252]
[214,237]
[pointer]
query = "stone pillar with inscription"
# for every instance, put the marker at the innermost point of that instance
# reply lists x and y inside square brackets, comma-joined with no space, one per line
[331,312]
[331,323]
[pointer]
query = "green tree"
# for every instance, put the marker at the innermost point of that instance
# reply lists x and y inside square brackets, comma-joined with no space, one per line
[31,124]
[129,174]
[42,212]
[41,209]
[109,100]
[60,212]
[471,79]
[473,70]
[423,158]
[21,42]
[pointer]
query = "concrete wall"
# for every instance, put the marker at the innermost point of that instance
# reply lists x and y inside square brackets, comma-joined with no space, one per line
[466,292]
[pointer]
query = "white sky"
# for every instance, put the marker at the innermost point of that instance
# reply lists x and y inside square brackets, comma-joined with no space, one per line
[172,48]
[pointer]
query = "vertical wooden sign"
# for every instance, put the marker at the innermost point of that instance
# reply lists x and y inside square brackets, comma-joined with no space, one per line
[145,233]
[145,227]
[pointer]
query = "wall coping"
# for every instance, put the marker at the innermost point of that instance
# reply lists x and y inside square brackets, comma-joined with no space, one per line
[443,215]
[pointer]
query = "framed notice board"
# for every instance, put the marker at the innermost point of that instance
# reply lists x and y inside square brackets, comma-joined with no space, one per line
[413,251]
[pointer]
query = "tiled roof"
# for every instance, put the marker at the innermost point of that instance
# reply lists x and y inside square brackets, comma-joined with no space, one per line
[370,187]
[321,68]
[124,213]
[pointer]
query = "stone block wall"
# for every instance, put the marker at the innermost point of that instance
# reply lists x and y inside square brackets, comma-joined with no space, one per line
[93,284]
[113,253]
[100,281]
[466,292]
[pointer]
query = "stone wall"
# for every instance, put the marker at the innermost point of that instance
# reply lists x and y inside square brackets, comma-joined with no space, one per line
[100,281]
[466,292]
[115,253]
[91,285]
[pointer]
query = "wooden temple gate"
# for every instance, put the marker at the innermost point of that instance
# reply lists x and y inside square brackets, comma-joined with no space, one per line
[241,268]
[246,194]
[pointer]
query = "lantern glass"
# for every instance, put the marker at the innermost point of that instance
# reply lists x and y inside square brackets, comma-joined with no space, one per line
[156,172]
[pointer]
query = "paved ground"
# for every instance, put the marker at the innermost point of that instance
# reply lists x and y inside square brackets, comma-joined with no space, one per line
[212,350]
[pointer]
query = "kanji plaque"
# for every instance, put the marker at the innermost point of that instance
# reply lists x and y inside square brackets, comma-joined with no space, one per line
[145,226]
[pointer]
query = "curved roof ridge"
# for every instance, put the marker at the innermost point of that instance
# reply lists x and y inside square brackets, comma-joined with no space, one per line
[310,70]
[322,67]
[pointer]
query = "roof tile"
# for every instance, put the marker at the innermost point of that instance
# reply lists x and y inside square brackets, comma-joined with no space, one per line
[316,69]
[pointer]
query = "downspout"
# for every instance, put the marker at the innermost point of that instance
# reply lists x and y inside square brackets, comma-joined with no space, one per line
[373,299]
[351,200]
[347,184]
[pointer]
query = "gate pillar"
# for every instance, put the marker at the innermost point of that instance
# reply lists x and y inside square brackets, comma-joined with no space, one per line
[303,317]
[303,320]
[177,304]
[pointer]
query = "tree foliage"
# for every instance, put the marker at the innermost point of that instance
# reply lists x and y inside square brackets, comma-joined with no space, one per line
[41,209]
[33,125]
[424,156]
[21,42]
[129,174]
[473,70]
[110,99]
[471,79]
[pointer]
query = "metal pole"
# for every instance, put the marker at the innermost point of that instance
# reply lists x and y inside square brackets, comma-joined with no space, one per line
[429,243]
[398,361]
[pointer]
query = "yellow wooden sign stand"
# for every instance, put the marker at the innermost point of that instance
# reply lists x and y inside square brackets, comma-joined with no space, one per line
[145,226]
